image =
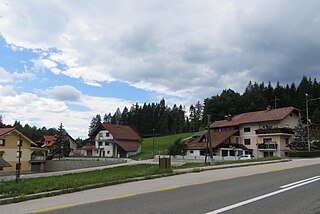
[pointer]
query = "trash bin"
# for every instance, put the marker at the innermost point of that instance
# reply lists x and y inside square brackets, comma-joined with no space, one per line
[165,163]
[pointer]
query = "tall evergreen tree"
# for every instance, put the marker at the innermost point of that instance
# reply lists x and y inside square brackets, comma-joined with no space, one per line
[61,147]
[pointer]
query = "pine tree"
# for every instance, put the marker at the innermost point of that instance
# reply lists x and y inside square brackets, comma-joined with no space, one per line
[299,141]
[61,147]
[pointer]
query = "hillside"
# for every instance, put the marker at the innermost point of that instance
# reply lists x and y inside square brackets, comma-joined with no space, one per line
[160,144]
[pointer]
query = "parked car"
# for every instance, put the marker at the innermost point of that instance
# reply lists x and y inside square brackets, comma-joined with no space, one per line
[246,157]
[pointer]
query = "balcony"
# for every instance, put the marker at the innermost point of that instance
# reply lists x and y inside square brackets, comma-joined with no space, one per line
[274,131]
[36,158]
[268,146]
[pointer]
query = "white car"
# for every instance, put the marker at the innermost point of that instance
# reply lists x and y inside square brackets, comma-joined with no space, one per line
[245,157]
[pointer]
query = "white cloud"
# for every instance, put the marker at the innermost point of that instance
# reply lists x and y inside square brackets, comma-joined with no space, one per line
[183,48]
[39,111]
[4,76]
[24,75]
[64,93]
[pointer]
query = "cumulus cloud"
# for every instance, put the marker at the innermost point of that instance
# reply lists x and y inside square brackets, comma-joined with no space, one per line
[40,111]
[64,93]
[185,48]
[4,76]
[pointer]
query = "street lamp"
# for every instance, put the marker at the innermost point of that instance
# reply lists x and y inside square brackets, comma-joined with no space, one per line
[308,131]
[153,132]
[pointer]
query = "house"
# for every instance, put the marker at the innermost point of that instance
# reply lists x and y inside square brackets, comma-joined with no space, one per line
[47,141]
[264,133]
[115,141]
[223,144]
[31,157]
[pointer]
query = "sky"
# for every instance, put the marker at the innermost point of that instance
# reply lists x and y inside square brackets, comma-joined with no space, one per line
[66,61]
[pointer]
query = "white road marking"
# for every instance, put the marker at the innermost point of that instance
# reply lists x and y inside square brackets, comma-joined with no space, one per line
[292,186]
[298,182]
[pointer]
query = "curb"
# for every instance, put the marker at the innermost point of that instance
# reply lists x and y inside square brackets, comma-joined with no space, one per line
[92,186]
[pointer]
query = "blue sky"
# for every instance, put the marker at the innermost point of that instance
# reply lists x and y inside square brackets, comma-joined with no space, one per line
[66,61]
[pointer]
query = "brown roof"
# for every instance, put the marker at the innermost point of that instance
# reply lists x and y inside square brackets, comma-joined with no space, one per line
[216,139]
[122,132]
[4,163]
[49,138]
[257,116]
[5,130]
[129,146]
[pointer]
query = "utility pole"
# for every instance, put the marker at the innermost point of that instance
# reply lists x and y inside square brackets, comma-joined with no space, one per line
[18,166]
[209,138]
[153,131]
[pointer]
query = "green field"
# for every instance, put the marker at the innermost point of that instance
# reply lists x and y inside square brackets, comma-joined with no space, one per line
[160,144]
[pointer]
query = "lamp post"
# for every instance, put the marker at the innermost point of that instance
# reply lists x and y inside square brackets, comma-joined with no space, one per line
[308,131]
[153,131]
[18,166]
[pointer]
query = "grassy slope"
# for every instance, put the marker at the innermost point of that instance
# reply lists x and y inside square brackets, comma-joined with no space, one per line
[161,144]
[106,176]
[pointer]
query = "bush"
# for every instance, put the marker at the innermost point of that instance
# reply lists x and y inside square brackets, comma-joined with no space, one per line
[304,154]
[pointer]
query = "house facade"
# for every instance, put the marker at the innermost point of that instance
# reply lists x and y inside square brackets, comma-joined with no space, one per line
[114,141]
[31,157]
[264,133]
[47,141]
[224,144]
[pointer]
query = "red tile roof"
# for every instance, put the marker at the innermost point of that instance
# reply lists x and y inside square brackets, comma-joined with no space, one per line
[49,138]
[216,139]
[128,146]
[120,132]
[5,130]
[257,116]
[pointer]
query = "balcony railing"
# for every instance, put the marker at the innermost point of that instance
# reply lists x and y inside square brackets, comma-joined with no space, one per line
[37,158]
[268,146]
[274,131]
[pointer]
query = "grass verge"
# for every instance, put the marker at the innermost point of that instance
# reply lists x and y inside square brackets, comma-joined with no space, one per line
[160,143]
[72,182]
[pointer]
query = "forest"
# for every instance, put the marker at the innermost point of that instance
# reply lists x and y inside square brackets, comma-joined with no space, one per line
[160,119]
[257,96]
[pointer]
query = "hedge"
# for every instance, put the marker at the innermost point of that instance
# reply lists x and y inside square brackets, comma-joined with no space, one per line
[304,154]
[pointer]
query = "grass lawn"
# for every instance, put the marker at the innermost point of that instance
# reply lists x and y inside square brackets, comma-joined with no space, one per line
[160,144]
[73,181]
[192,165]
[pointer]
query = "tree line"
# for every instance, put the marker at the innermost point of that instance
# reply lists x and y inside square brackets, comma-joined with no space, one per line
[257,96]
[148,118]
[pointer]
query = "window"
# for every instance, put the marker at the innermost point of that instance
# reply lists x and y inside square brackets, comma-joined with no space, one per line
[107,144]
[247,129]
[247,141]
[100,143]
[108,152]
[287,141]
[107,134]
[191,152]
[267,140]
[19,142]
[100,134]
[224,153]
[19,154]
[2,142]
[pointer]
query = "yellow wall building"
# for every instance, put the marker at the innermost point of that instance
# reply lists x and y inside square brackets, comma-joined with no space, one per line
[9,150]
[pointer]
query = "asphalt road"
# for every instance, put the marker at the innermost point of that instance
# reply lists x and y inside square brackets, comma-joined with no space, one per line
[262,190]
